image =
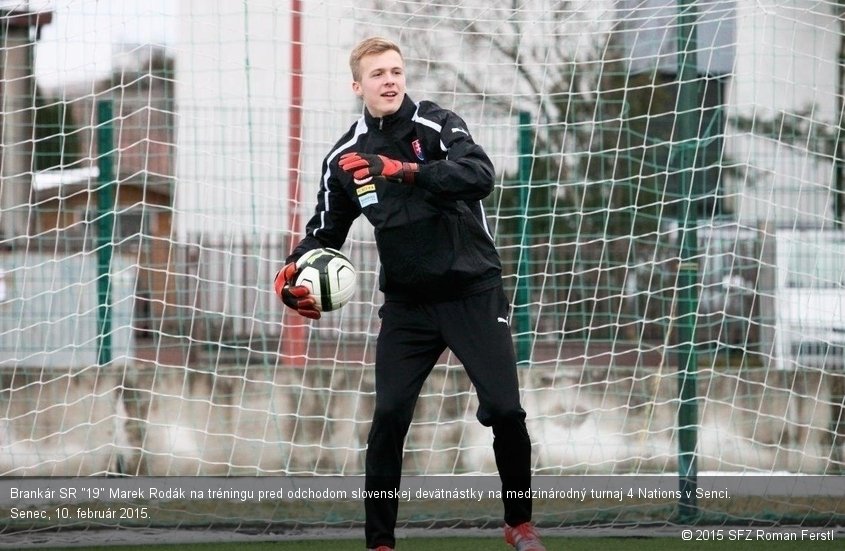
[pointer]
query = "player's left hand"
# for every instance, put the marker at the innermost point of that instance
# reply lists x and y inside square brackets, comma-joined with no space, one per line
[364,167]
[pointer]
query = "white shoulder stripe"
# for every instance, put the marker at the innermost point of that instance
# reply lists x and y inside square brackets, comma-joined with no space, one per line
[360,128]
[431,124]
[484,223]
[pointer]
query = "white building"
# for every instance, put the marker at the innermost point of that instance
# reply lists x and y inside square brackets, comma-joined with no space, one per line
[234,101]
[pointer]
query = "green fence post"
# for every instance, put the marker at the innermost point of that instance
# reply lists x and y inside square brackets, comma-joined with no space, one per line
[522,315]
[686,147]
[105,227]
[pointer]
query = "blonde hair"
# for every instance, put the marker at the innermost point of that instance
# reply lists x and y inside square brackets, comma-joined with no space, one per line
[370,46]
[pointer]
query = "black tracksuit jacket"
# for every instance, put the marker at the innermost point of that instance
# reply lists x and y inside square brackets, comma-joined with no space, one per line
[432,236]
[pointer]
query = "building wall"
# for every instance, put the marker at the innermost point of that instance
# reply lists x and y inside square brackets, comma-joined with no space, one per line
[16,95]
[233,94]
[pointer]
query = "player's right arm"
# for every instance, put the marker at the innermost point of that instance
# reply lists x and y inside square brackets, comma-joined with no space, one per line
[328,227]
[333,216]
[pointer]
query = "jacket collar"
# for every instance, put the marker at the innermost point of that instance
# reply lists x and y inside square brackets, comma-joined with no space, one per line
[405,113]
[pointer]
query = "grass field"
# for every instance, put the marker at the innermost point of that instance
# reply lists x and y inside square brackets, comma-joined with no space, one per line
[493,544]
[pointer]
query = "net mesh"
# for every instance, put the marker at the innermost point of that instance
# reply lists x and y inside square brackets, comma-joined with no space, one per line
[669,224]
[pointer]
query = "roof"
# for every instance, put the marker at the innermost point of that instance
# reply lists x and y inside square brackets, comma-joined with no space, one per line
[61,182]
[24,19]
[63,177]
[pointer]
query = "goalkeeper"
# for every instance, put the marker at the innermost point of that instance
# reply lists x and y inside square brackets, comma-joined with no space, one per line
[415,172]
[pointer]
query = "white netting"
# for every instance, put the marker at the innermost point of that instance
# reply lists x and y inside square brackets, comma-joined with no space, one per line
[138,329]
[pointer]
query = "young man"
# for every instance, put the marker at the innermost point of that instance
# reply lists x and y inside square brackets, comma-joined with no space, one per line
[414,171]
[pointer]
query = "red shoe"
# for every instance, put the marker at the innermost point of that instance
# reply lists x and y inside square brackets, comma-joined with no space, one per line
[382,548]
[523,537]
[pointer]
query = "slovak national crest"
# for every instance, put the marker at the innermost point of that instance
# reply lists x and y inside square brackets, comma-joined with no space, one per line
[418,150]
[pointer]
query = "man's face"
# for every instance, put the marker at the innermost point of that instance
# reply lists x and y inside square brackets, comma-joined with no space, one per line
[382,85]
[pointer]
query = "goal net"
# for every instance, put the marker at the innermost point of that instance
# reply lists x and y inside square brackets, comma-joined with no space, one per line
[669,206]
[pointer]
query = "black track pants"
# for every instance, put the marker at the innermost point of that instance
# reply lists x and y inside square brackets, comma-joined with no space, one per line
[412,337]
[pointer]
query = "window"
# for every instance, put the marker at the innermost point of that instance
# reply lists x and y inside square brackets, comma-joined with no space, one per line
[819,265]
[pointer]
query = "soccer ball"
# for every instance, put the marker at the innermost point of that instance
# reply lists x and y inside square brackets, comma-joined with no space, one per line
[328,275]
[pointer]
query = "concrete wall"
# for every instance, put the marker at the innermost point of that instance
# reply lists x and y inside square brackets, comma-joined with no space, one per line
[16,99]
[155,419]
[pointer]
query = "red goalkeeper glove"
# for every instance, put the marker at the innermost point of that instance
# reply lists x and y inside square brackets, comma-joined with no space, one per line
[297,297]
[364,167]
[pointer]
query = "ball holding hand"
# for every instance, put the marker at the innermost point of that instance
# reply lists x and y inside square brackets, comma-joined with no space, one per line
[297,297]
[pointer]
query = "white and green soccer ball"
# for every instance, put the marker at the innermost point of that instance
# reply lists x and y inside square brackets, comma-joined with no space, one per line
[329,276]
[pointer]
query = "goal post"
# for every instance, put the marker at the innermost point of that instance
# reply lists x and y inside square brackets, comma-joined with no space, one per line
[668,207]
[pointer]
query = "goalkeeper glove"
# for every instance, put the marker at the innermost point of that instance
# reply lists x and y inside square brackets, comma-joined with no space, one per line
[364,167]
[297,297]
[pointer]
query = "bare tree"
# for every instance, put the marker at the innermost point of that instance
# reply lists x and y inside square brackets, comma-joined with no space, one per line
[557,60]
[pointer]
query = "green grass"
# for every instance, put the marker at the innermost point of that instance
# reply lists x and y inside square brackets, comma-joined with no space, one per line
[494,544]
